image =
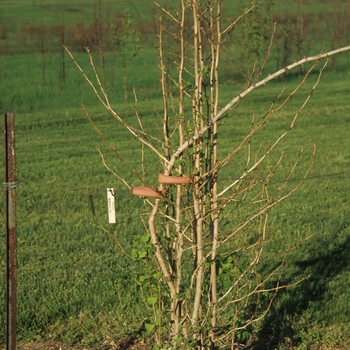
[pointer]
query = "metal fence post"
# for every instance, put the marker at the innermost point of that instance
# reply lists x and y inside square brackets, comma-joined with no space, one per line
[11,259]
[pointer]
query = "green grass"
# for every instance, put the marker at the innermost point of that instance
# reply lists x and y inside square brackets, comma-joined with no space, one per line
[75,283]
[65,261]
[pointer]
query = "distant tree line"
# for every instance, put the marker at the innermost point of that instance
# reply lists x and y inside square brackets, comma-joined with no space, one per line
[102,31]
[295,34]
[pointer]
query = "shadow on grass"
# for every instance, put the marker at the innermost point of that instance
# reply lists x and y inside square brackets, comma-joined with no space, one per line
[315,301]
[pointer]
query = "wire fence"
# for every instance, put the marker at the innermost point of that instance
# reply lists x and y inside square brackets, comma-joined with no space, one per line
[88,191]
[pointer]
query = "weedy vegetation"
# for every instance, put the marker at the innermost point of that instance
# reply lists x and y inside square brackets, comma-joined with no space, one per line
[83,281]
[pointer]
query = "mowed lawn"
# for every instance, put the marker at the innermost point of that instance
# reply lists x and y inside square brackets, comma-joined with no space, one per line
[77,281]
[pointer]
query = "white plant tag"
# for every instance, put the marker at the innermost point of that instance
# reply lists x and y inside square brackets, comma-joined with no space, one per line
[111,205]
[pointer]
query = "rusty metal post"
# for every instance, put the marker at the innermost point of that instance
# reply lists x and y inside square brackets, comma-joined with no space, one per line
[11,259]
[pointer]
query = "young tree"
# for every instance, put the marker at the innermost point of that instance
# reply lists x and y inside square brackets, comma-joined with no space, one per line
[59,32]
[208,233]
[127,44]
[254,32]
[39,38]
[101,28]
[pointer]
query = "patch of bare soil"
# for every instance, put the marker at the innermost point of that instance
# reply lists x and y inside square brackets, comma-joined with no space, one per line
[123,345]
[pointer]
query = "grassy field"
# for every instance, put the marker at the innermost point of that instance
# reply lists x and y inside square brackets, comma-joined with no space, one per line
[75,283]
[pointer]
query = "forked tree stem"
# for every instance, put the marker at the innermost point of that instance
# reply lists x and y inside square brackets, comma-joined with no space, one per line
[197,228]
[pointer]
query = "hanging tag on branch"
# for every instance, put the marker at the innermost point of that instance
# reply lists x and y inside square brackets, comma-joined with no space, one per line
[111,205]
